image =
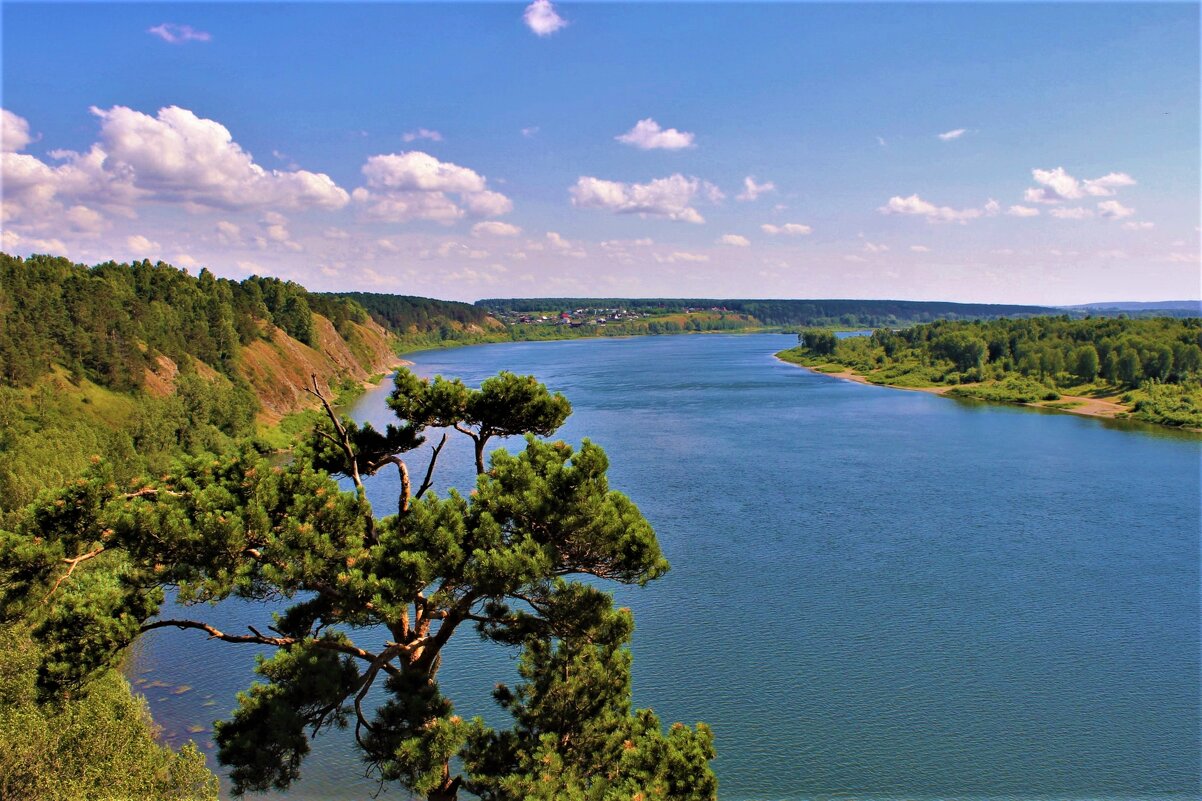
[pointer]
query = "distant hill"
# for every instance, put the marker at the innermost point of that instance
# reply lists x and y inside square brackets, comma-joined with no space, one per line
[837,312]
[1170,308]
[409,314]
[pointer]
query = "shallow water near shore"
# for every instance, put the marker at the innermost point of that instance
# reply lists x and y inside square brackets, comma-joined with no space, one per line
[874,594]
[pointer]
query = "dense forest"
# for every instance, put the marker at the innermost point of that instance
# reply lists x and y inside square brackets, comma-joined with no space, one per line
[409,314]
[141,362]
[110,323]
[786,313]
[1152,366]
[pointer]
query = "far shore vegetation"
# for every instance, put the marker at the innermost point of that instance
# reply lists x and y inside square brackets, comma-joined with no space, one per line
[1148,369]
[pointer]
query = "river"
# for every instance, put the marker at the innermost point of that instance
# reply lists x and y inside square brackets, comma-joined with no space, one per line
[874,594]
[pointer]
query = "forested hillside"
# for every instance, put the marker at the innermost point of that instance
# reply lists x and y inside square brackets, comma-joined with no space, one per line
[140,362]
[1152,366]
[787,313]
[408,314]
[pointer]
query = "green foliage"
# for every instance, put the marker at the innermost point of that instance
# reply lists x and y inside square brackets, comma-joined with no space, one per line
[405,314]
[98,746]
[51,431]
[110,323]
[1014,389]
[505,558]
[575,736]
[1169,404]
[1033,360]
[819,342]
[506,405]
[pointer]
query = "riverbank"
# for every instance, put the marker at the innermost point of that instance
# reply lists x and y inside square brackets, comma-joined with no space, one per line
[1107,408]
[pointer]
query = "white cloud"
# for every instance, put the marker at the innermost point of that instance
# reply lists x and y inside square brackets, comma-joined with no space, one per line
[678,256]
[85,220]
[734,240]
[647,135]
[992,208]
[228,233]
[1112,254]
[141,246]
[948,136]
[415,170]
[416,186]
[334,232]
[178,34]
[622,244]
[1022,211]
[12,242]
[493,228]
[14,132]
[179,156]
[914,205]
[1057,186]
[670,197]
[1113,210]
[540,17]
[1070,213]
[1139,226]
[421,133]
[1105,185]
[175,157]
[788,229]
[919,249]
[752,190]
[880,140]
[531,131]
[872,247]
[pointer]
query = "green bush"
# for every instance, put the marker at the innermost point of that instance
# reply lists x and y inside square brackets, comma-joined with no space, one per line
[100,746]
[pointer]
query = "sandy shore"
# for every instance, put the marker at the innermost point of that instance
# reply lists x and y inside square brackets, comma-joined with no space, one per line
[1089,407]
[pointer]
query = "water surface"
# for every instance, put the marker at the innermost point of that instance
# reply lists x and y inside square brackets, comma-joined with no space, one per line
[874,594]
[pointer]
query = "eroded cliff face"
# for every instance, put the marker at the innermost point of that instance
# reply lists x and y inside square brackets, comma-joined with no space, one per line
[279,367]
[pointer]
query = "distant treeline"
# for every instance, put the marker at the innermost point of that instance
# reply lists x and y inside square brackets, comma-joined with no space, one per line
[1058,350]
[1155,363]
[652,326]
[109,323]
[788,313]
[408,314]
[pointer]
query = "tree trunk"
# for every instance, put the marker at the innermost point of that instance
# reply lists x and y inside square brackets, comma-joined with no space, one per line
[449,791]
[480,455]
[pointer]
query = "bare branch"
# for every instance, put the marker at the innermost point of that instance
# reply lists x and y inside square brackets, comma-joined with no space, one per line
[216,634]
[428,480]
[258,638]
[145,491]
[73,563]
[345,440]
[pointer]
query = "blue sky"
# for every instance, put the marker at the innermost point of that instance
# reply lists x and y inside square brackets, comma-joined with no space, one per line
[975,152]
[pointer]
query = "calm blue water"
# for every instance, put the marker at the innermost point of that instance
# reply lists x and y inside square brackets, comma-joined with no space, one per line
[875,594]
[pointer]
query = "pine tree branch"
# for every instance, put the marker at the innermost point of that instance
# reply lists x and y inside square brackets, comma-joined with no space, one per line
[73,563]
[428,480]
